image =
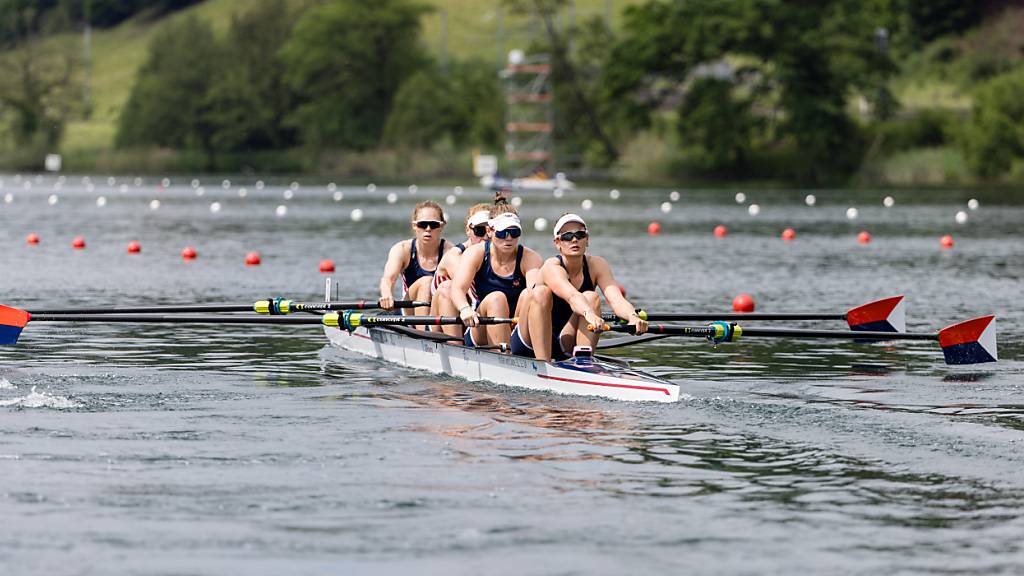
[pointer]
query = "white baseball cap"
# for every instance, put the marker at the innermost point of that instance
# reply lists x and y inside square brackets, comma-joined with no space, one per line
[504,221]
[479,217]
[567,219]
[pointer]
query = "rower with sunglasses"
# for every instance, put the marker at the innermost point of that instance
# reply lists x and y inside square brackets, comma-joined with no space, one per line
[556,312]
[476,232]
[497,271]
[416,259]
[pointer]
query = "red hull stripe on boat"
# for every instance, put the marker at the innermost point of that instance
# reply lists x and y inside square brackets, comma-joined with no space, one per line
[651,388]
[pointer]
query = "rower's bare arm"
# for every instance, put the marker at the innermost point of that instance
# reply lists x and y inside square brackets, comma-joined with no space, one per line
[392,269]
[605,280]
[556,278]
[462,280]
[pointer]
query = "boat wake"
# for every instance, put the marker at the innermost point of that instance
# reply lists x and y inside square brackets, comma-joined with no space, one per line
[38,399]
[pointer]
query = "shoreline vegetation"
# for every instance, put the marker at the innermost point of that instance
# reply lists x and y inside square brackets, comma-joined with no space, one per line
[911,94]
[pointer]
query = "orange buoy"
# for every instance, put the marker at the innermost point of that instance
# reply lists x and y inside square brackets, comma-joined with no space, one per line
[134,247]
[654,228]
[864,237]
[78,243]
[743,303]
[326,265]
[946,242]
[189,253]
[32,239]
[252,259]
[788,234]
[721,231]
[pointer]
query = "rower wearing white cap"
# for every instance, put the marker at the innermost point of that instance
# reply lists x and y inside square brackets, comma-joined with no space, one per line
[556,312]
[476,231]
[497,271]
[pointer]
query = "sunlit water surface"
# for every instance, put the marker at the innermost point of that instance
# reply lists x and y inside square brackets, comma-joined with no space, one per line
[195,449]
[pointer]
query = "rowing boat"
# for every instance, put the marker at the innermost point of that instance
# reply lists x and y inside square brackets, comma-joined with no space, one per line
[580,375]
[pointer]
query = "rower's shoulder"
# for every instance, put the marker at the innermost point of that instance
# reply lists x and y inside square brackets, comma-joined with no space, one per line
[475,249]
[553,261]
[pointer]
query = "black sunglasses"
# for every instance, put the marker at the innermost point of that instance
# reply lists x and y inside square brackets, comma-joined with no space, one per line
[568,236]
[480,231]
[508,233]
[429,224]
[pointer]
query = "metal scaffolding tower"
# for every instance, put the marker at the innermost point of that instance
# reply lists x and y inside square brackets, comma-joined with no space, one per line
[529,114]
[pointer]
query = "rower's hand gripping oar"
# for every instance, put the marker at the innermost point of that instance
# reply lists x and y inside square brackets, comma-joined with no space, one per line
[271,306]
[13,320]
[969,342]
[885,315]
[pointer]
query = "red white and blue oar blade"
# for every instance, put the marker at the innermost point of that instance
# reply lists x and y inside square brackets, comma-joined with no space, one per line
[970,342]
[885,315]
[12,322]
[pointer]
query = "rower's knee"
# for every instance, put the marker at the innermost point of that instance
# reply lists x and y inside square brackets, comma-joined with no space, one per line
[494,304]
[541,296]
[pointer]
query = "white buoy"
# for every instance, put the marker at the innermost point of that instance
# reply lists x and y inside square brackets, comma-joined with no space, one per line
[154,204]
[137,182]
[392,198]
[741,197]
[260,184]
[851,213]
[587,204]
[52,200]
[517,201]
[673,196]
[972,204]
[293,186]
[111,181]
[332,187]
[281,211]
[166,182]
[413,188]
[558,192]
[371,187]
[753,209]
[614,194]
[225,184]
[540,224]
[961,217]
[356,215]
[8,198]
[215,207]
[888,201]
[338,195]
[810,200]
[458,190]
[449,199]
[195,183]
[242,192]
[101,201]
[288,194]
[666,207]
[200,191]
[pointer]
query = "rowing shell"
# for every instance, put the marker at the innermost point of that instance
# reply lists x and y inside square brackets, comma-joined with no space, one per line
[578,376]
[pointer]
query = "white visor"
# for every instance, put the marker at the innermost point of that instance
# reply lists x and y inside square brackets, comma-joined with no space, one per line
[504,221]
[565,220]
[478,218]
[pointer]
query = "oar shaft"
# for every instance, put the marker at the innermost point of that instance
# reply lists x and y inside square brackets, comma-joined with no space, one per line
[706,316]
[165,319]
[743,331]
[201,308]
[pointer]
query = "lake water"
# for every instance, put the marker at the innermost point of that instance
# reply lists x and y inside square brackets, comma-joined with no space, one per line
[259,450]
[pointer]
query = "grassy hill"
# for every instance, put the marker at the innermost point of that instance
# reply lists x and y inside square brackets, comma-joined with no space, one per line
[460,28]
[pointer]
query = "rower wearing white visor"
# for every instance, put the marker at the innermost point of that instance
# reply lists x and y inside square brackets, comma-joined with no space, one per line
[497,271]
[556,313]
[476,232]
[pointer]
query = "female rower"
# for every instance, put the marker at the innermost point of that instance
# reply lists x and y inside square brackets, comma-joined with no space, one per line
[476,232]
[555,314]
[416,259]
[497,271]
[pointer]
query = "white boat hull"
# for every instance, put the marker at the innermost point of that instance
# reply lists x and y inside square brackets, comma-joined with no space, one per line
[574,376]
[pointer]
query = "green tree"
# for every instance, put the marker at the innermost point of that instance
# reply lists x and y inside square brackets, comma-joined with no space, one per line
[170,102]
[347,59]
[993,138]
[714,125]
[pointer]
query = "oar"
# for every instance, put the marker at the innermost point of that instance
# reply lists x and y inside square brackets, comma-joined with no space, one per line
[886,315]
[13,320]
[969,342]
[273,306]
